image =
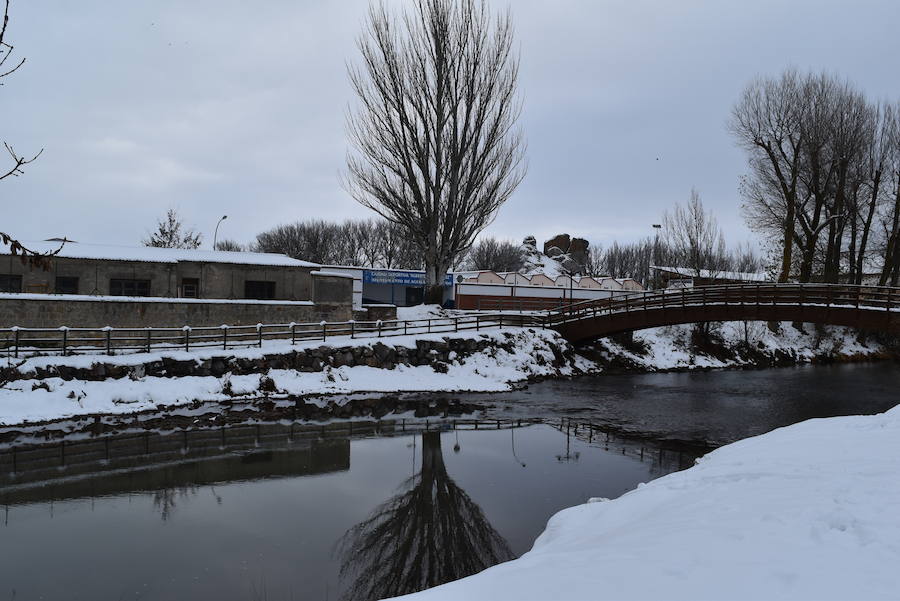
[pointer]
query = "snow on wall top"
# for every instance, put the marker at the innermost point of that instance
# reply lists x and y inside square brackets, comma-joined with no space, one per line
[149,254]
[714,275]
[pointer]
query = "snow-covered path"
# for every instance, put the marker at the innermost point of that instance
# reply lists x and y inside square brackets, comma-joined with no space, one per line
[810,511]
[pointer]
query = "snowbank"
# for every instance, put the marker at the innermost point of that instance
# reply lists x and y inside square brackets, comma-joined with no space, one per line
[810,511]
[740,344]
[515,355]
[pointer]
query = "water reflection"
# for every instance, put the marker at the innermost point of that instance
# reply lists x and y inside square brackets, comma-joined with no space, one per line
[430,533]
[232,510]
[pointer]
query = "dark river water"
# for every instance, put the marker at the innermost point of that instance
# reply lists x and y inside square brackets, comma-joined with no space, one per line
[389,497]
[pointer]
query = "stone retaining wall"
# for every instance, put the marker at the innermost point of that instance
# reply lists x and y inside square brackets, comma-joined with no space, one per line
[434,353]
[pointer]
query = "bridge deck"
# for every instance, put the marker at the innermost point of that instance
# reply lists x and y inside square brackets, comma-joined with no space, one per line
[866,307]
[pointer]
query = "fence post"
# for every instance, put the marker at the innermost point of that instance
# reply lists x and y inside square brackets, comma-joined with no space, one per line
[352,328]
[15,330]
[405,323]
[456,324]
[378,325]
[108,331]
[888,302]
[224,328]
[501,321]
[187,338]
[149,338]
[65,336]
[259,334]
[429,325]
[324,325]
[477,322]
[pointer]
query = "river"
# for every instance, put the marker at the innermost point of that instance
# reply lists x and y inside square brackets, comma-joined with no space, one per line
[397,495]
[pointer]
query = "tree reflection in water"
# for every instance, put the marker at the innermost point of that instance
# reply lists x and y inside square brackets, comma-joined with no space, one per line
[430,534]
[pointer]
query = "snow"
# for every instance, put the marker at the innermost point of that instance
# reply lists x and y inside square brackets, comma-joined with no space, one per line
[810,511]
[333,274]
[422,312]
[669,347]
[742,276]
[77,250]
[492,370]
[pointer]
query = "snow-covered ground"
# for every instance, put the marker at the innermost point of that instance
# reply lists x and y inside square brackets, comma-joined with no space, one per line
[670,347]
[810,511]
[495,369]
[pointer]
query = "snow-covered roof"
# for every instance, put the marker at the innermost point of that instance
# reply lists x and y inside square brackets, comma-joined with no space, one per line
[687,272]
[149,254]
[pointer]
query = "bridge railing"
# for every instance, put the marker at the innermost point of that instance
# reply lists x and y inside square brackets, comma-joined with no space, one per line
[875,298]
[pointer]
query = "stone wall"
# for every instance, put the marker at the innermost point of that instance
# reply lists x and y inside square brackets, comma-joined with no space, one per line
[429,352]
[376,312]
[52,311]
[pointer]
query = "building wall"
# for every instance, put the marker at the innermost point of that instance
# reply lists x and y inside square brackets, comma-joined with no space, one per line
[59,310]
[217,280]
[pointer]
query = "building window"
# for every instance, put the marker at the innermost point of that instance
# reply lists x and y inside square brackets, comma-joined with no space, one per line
[10,283]
[259,290]
[190,287]
[123,287]
[66,285]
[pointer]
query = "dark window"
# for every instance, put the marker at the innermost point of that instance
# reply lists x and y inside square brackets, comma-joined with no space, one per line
[66,285]
[259,290]
[10,283]
[414,296]
[190,288]
[121,287]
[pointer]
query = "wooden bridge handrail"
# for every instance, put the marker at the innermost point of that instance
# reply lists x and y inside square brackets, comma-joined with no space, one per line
[860,296]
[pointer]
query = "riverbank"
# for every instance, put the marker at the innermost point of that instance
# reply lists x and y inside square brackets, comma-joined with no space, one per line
[809,511]
[41,389]
[735,344]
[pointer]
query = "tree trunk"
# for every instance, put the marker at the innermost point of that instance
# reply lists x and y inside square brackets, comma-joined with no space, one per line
[787,251]
[435,274]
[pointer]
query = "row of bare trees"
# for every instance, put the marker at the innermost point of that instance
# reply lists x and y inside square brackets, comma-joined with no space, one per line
[367,243]
[824,176]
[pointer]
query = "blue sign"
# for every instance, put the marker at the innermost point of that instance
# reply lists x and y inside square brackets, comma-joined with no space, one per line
[401,278]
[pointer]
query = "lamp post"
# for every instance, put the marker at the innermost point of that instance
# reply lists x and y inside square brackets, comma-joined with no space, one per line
[656,227]
[216,232]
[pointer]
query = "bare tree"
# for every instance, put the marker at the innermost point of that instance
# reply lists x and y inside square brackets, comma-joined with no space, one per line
[230,245]
[768,122]
[890,272]
[495,255]
[8,66]
[820,180]
[429,534]
[398,249]
[693,233]
[434,137]
[170,233]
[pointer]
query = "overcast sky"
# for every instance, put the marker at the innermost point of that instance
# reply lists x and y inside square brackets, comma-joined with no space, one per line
[235,107]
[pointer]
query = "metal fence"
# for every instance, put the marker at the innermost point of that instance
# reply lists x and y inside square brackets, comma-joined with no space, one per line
[30,342]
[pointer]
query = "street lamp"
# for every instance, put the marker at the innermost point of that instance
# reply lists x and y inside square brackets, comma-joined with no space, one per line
[656,227]
[216,233]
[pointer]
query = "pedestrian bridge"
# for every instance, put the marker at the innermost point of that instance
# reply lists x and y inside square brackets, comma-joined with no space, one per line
[873,308]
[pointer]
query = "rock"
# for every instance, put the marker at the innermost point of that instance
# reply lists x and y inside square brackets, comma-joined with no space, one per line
[571,265]
[554,252]
[578,251]
[560,241]
[530,241]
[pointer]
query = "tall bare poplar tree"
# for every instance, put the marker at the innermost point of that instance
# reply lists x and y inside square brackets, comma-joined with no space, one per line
[435,146]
